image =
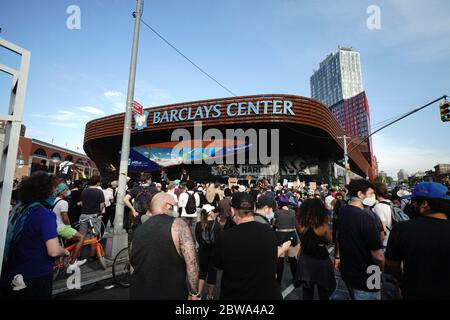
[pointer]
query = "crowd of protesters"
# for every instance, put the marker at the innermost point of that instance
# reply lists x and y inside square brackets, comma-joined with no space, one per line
[183,232]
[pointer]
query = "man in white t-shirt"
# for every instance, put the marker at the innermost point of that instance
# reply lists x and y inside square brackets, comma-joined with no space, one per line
[64,229]
[183,199]
[328,202]
[171,191]
[383,209]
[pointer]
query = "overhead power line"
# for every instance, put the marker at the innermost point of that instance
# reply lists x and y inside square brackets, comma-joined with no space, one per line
[185,57]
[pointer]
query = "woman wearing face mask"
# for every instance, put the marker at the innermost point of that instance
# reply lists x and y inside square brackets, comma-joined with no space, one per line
[60,208]
[206,232]
[31,241]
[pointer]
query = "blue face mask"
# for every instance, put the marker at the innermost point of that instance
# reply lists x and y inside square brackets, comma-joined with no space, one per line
[51,200]
[270,216]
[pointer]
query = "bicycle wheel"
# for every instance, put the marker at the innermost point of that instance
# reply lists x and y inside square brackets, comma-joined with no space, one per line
[121,268]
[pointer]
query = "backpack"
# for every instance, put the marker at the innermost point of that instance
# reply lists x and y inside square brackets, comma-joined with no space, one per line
[397,215]
[208,236]
[191,205]
[140,202]
[54,205]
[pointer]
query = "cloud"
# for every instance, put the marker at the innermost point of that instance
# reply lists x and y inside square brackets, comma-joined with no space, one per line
[91,110]
[113,94]
[146,93]
[151,95]
[62,115]
[116,99]
[118,107]
[68,124]
[67,119]
[394,155]
[420,29]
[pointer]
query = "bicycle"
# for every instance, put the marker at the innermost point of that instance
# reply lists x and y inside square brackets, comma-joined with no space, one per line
[95,239]
[121,268]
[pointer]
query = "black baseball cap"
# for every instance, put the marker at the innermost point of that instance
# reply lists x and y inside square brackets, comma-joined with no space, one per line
[266,200]
[242,201]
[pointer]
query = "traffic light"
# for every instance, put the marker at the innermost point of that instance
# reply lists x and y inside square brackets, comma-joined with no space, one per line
[445,111]
[348,167]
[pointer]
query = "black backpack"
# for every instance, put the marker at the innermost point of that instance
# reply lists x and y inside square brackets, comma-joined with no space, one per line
[191,206]
[208,236]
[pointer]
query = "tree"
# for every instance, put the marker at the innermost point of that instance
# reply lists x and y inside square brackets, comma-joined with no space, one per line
[389,180]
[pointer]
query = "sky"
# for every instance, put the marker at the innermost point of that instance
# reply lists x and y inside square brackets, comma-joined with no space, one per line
[251,46]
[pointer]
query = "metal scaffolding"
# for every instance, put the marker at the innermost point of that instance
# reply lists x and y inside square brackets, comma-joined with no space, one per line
[13,121]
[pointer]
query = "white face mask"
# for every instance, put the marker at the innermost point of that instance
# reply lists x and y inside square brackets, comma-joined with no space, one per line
[370,202]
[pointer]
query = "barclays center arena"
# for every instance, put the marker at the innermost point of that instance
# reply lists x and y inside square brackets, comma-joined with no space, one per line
[215,140]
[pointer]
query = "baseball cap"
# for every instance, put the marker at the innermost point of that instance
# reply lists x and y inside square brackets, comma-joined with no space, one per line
[242,201]
[265,200]
[283,200]
[432,190]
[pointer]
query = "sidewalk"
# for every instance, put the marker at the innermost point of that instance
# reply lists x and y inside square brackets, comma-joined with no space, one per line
[90,273]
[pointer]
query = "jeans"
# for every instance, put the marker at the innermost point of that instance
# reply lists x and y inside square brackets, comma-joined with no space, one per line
[365,295]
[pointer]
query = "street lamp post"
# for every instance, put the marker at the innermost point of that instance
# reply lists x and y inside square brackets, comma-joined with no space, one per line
[120,237]
[123,171]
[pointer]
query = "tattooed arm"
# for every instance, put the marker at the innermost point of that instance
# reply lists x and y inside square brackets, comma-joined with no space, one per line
[184,244]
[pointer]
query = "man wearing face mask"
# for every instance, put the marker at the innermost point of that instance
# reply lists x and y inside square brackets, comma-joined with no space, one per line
[422,245]
[369,208]
[358,242]
[265,207]
[64,229]
[247,254]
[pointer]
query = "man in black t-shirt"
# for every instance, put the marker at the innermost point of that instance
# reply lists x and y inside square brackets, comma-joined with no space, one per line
[359,247]
[423,245]
[92,202]
[247,254]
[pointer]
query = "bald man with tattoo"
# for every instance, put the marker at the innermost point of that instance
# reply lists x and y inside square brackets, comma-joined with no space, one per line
[163,256]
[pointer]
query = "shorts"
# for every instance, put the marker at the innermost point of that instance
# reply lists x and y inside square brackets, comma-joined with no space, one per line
[85,228]
[282,237]
[66,232]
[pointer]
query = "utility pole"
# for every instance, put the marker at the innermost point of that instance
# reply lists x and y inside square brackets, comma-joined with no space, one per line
[123,171]
[346,177]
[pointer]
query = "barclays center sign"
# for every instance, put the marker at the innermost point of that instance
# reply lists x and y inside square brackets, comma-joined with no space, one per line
[234,109]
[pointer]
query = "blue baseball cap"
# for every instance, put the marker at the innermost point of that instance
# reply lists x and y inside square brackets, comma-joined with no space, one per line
[432,190]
